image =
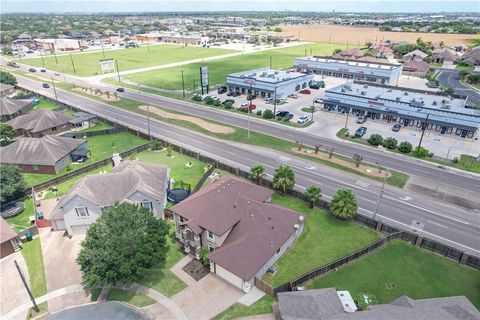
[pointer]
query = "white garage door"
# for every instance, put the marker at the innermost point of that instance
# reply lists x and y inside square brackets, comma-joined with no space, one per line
[80,229]
[228,276]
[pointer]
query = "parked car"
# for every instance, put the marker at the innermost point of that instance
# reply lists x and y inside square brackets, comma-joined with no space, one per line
[281,114]
[222,89]
[432,85]
[282,101]
[251,97]
[216,98]
[43,70]
[228,100]
[305,91]
[361,119]
[236,94]
[32,70]
[293,95]
[360,132]
[45,85]
[13,64]
[287,117]
[56,74]
[120,89]
[269,101]
[302,120]
[246,105]
[318,100]
[396,127]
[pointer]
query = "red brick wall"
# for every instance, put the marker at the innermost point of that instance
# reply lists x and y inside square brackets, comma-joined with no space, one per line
[41,169]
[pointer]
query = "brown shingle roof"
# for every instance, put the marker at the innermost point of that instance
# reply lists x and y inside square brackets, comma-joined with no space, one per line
[258,229]
[44,151]
[40,120]
[416,66]
[6,232]
[350,54]
[11,106]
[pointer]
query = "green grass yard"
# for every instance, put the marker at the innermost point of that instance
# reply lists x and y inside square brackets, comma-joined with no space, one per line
[402,269]
[99,125]
[44,104]
[87,64]
[21,221]
[264,305]
[161,278]
[32,253]
[171,79]
[139,300]
[324,240]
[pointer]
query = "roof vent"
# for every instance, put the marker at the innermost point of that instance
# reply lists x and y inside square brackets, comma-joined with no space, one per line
[296,226]
[235,205]
[252,215]
[301,218]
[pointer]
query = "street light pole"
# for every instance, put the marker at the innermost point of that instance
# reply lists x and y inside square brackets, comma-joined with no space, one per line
[312,108]
[275,102]
[73,64]
[382,190]
[148,122]
[444,169]
[54,89]
[249,110]
[346,121]
[423,130]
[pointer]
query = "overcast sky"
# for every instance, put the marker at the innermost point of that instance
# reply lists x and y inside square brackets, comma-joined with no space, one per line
[245,5]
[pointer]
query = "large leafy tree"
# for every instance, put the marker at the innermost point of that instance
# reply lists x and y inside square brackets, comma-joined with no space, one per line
[344,204]
[284,178]
[7,78]
[121,245]
[257,172]
[312,194]
[6,134]
[12,184]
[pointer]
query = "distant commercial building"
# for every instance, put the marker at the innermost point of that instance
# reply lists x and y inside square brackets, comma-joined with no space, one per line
[384,73]
[177,38]
[266,82]
[440,112]
[63,45]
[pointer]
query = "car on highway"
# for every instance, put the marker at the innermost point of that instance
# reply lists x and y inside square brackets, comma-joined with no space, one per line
[56,74]
[287,117]
[43,70]
[32,70]
[13,64]
[360,132]
[302,120]
[293,96]
[45,85]
[361,119]
[396,127]
[305,91]
[120,89]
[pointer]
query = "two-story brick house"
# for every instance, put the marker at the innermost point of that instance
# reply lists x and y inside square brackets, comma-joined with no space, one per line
[235,221]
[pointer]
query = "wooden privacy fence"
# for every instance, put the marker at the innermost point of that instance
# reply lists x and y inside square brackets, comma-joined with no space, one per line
[73,134]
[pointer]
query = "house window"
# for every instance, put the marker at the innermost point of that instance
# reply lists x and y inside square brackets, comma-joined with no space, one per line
[54,128]
[182,219]
[147,204]
[82,212]
[35,168]
[210,235]
[210,248]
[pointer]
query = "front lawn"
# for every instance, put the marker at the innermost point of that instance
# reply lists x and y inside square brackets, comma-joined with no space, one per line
[325,239]
[87,64]
[160,277]
[32,253]
[402,269]
[139,300]
[264,305]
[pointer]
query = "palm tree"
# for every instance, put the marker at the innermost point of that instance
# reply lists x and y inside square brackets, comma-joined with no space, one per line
[312,194]
[284,178]
[344,204]
[257,172]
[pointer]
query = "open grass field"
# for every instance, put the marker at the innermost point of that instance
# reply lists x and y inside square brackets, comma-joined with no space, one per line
[171,79]
[356,35]
[324,239]
[402,269]
[87,64]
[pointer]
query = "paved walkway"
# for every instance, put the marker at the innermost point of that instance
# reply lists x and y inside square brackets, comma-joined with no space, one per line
[174,309]
[251,297]
[12,291]
[178,271]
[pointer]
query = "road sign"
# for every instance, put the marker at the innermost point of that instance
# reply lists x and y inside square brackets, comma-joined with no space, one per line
[204,76]
[107,65]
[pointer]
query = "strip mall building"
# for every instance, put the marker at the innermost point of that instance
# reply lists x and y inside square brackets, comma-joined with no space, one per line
[441,112]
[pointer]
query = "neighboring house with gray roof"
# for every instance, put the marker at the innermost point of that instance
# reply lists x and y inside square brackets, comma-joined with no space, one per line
[472,57]
[48,154]
[9,241]
[415,54]
[134,182]
[12,108]
[234,221]
[6,90]
[326,304]
[41,122]
[444,55]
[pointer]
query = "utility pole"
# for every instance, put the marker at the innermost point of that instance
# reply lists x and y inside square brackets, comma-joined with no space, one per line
[43,61]
[73,64]
[270,62]
[346,121]
[103,52]
[423,130]
[148,123]
[249,110]
[377,206]
[305,52]
[183,85]
[54,89]
[444,169]
[26,287]
[55,55]
[275,102]
[194,89]
[118,71]
[311,51]
[312,108]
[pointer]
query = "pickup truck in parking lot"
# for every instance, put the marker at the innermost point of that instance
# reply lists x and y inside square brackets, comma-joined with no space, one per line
[287,117]
[360,132]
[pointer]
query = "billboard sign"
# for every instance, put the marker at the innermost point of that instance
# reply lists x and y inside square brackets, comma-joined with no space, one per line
[204,76]
[107,65]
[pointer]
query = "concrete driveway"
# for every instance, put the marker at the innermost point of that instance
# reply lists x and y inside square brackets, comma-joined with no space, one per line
[61,269]
[207,298]
[12,291]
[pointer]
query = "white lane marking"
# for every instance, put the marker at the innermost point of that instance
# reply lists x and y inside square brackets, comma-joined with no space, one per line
[362,183]
[431,234]
[438,224]
[405,198]
[310,168]
[368,200]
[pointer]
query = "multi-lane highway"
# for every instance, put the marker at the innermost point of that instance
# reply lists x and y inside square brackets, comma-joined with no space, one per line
[448,224]
[414,167]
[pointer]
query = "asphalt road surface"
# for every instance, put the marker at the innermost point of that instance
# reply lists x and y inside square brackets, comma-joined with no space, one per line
[451,79]
[448,224]
[414,167]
